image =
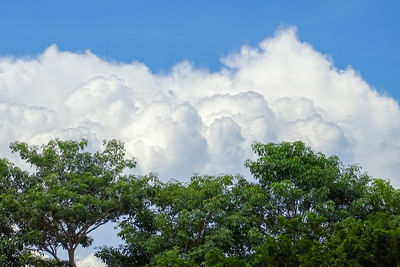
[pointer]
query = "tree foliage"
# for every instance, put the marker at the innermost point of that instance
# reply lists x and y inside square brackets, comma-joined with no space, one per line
[69,193]
[302,209]
[305,209]
[12,250]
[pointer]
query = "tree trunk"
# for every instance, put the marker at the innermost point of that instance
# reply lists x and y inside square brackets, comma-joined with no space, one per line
[71,257]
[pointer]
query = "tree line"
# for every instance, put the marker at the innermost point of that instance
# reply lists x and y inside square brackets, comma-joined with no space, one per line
[301,209]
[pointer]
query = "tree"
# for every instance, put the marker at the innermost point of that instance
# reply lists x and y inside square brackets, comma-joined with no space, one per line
[70,192]
[13,251]
[290,217]
[371,242]
[307,193]
[182,225]
[298,181]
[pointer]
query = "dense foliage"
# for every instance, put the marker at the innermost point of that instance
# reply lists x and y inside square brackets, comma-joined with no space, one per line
[303,209]
[69,193]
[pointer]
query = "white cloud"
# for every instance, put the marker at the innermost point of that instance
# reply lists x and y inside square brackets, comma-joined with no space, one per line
[167,137]
[195,121]
[90,261]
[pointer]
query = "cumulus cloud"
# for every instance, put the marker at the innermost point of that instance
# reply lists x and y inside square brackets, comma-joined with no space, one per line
[90,261]
[191,120]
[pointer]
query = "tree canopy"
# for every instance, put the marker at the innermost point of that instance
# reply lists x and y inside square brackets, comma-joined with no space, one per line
[305,209]
[302,209]
[69,193]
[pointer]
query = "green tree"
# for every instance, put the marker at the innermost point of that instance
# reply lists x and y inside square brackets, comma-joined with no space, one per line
[183,223]
[306,194]
[70,192]
[371,242]
[297,181]
[305,209]
[12,250]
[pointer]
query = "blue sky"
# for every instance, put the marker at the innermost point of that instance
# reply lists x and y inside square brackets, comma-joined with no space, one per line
[364,34]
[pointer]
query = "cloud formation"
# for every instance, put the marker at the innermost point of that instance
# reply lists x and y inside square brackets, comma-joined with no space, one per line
[194,121]
[191,120]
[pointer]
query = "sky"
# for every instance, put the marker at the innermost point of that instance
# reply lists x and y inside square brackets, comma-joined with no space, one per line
[360,33]
[190,85]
